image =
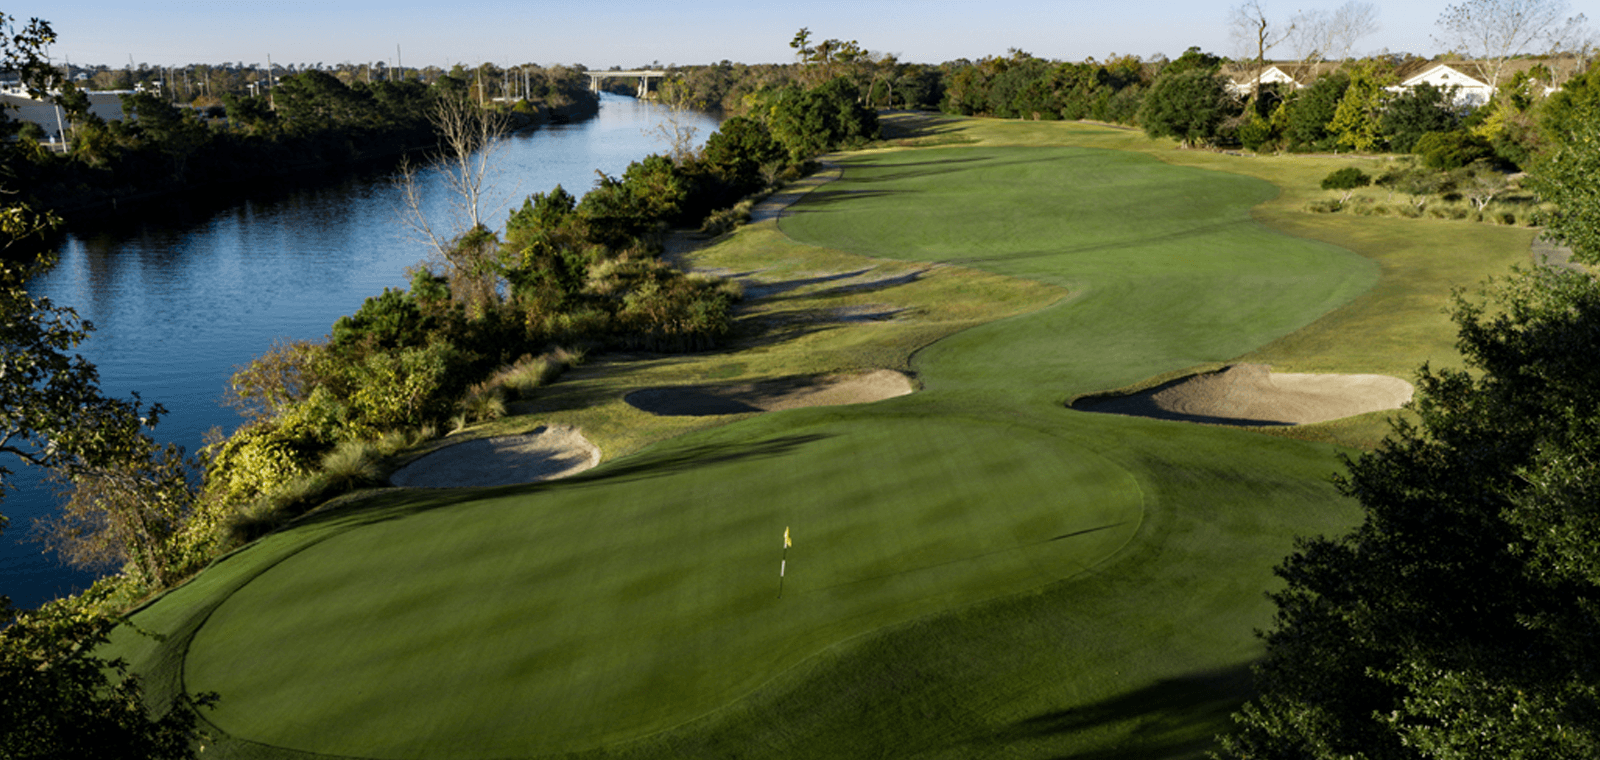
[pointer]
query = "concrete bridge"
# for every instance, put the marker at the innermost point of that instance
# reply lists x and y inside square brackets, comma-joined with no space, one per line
[644,77]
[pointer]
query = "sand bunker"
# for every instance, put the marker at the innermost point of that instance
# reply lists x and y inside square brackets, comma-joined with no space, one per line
[771,395]
[546,453]
[1251,394]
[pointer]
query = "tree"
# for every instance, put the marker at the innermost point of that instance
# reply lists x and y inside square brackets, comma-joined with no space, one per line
[1253,32]
[59,700]
[1460,619]
[1308,112]
[1188,105]
[1320,35]
[1355,123]
[1565,177]
[1416,112]
[22,51]
[1499,30]
[464,251]
[52,412]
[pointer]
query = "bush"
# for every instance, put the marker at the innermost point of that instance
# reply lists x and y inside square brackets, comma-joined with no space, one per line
[1256,133]
[1348,178]
[1452,150]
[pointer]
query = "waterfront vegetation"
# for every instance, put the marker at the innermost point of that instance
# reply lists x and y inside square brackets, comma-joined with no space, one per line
[978,569]
[308,121]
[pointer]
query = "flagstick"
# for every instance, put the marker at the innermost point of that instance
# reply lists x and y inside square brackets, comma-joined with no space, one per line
[782,566]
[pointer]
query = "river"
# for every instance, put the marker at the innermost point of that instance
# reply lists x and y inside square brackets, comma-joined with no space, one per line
[178,303]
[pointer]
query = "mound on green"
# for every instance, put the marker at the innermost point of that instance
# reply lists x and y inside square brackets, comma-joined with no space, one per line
[977,569]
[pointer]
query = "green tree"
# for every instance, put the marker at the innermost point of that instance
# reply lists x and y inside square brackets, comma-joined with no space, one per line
[55,415]
[1355,123]
[59,700]
[22,50]
[1412,114]
[1308,112]
[1565,176]
[1460,619]
[824,118]
[1188,105]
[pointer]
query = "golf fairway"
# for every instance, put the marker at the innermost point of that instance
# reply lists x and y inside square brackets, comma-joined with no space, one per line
[976,571]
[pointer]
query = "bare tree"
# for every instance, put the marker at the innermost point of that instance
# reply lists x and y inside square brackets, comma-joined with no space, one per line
[1253,31]
[675,128]
[1320,36]
[469,136]
[1499,30]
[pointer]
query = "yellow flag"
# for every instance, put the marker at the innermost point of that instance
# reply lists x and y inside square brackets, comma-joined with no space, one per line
[786,543]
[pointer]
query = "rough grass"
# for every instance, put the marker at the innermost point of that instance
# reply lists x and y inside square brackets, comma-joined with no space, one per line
[978,571]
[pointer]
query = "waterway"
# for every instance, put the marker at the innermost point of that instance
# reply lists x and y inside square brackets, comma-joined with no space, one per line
[179,298]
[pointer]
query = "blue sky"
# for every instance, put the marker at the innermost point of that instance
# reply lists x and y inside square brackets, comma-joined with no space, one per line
[630,32]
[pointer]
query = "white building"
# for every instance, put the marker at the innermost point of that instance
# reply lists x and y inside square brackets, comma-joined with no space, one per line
[19,107]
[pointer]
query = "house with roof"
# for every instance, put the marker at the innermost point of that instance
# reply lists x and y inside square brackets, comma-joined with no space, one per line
[1475,81]
[1243,82]
[1468,80]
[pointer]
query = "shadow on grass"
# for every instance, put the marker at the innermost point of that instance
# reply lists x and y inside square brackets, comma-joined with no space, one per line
[757,290]
[652,463]
[1169,719]
[913,125]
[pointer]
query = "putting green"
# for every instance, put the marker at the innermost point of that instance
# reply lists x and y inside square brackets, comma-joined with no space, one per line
[544,614]
[977,570]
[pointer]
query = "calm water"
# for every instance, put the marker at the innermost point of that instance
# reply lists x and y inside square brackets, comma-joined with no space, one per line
[177,305]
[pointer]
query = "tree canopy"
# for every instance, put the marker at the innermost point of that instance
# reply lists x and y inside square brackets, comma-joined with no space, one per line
[1461,619]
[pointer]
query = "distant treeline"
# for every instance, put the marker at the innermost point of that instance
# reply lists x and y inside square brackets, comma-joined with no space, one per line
[1344,107]
[308,120]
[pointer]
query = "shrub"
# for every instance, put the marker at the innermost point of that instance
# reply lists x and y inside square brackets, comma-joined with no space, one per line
[390,320]
[353,464]
[484,401]
[1451,150]
[725,220]
[405,388]
[528,374]
[1256,133]
[1348,178]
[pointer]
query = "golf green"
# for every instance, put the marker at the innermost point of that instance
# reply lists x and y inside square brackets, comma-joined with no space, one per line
[972,564]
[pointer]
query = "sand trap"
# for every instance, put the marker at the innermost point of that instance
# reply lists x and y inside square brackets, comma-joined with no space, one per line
[771,395]
[546,453]
[1251,394]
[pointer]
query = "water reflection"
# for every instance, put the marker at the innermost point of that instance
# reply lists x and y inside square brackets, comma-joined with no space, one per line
[179,297]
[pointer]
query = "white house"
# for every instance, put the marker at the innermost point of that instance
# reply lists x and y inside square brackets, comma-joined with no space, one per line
[1243,82]
[1469,78]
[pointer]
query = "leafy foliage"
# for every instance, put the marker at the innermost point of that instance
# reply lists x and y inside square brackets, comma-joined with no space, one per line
[52,411]
[1347,178]
[1566,177]
[1459,620]
[1451,150]
[1188,105]
[1416,112]
[62,701]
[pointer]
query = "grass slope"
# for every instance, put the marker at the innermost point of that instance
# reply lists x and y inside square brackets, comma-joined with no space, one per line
[977,570]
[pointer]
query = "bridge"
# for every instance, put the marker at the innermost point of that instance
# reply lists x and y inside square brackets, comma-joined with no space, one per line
[644,77]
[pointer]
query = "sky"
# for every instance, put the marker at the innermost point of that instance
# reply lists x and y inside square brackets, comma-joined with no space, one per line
[630,33]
